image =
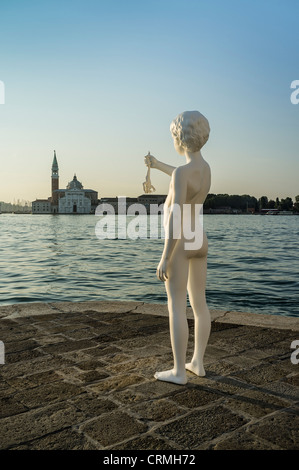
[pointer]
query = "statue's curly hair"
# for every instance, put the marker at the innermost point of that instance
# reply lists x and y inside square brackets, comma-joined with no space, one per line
[190,130]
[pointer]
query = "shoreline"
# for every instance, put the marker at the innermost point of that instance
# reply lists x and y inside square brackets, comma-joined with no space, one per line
[204,213]
[23,309]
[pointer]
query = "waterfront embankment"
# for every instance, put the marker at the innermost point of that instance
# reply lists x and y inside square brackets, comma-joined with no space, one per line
[79,375]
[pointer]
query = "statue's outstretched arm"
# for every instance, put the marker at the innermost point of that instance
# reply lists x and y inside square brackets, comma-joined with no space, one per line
[168,169]
[154,163]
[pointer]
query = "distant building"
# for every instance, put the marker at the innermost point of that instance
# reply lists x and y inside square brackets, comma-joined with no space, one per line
[74,199]
[220,210]
[147,200]
[251,210]
[41,206]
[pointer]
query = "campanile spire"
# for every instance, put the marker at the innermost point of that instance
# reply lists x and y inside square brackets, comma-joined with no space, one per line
[55,183]
[55,165]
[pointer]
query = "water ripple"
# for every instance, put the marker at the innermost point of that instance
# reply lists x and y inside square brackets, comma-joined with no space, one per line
[252,264]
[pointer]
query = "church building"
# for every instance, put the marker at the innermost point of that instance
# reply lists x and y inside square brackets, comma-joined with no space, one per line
[74,199]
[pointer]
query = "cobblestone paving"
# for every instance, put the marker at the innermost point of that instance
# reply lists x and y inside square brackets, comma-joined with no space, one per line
[80,376]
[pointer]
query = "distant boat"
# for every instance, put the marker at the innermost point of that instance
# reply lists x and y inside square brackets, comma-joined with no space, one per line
[285,213]
[270,212]
[277,212]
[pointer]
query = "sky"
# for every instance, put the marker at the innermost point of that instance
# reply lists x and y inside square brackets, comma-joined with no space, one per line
[100,82]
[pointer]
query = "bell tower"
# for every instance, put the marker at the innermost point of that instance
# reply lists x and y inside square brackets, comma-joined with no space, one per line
[55,184]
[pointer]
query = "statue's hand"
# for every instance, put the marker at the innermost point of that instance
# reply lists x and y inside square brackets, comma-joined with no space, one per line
[151,160]
[162,269]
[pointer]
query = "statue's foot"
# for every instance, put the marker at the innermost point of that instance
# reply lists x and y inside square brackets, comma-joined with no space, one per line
[196,368]
[171,376]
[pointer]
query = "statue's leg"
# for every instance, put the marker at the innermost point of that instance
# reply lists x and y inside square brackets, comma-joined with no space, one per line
[202,320]
[176,287]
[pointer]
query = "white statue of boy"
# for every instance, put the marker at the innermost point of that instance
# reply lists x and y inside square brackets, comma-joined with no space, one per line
[184,270]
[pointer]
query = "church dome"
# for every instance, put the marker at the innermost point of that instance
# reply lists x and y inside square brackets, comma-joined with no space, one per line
[75,184]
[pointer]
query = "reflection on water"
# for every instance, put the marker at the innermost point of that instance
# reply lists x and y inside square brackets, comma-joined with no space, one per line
[252,266]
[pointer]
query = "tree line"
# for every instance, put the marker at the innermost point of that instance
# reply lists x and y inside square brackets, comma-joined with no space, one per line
[247,203]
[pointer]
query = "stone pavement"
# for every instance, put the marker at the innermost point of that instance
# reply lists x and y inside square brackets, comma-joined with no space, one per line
[80,376]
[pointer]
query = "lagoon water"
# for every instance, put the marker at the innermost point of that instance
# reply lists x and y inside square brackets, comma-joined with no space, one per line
[253,262]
